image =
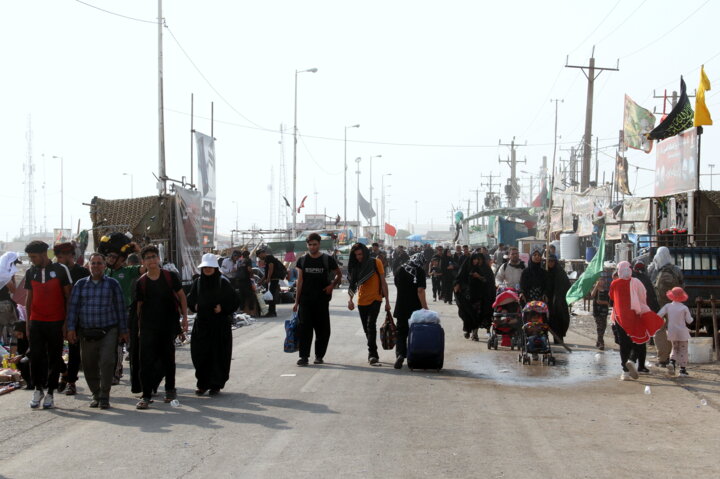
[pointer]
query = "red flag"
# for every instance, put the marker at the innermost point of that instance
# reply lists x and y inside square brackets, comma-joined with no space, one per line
[390,229]
[541,198]
[302,203]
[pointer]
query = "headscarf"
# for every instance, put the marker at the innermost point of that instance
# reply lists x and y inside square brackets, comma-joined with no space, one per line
[358,273]
[7,267]
[415,263]
[624,270]
[662,257]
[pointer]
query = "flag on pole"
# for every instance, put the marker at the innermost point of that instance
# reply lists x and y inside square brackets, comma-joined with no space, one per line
[287,202]
[365,207]
[541,200]
[702,114]
[302,204]
[637,123]
[586,281]
[390,229]
[679,119]
[621,175]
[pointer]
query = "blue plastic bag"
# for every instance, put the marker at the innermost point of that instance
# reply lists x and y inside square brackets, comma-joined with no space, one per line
[291,342]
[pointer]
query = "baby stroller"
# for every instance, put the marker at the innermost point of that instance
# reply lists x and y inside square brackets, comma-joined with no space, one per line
[507,320]
[535,334]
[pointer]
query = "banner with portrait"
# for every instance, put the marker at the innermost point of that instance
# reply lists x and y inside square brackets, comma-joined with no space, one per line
[206,167]
[188,204]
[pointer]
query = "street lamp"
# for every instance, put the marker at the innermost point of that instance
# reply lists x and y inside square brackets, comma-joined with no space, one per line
[711,175]
[371,186]
[131,184]
[357,213]
[382,202]
[294,227]
[345,175]
[232,243]
[62,193]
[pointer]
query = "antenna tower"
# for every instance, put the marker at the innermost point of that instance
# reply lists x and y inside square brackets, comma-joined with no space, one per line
[29,226]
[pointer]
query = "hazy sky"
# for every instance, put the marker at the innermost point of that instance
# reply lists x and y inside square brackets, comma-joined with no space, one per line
[434,86]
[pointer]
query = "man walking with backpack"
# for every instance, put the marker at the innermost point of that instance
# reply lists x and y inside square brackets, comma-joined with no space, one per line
[274,272]
[312,300]
[366,276]
[160,302]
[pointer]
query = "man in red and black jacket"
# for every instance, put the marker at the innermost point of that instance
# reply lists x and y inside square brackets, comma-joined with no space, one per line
[48,286]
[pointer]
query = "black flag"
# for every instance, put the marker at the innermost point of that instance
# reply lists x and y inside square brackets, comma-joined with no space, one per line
[680,118]
[287,202]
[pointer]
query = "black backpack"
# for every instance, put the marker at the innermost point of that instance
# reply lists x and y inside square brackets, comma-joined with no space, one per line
[279,271]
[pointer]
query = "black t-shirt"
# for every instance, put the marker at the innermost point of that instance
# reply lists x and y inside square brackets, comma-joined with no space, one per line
[5,293]
[407,300]
[242,269]
[77,273]
[316,277]
[159,305]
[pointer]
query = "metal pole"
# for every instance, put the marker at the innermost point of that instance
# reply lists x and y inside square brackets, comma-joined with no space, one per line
[345,182]
[294,190]
[161,116]
[62,194]
[192,131]
[371,188]
[357,213]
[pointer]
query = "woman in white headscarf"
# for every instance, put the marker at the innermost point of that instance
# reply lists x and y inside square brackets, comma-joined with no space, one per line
[8,314]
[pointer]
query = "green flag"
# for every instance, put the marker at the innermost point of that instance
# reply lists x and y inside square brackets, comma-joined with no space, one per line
[586,281]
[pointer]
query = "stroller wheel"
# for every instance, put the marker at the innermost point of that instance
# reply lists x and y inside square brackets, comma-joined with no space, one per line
[551,361]
[520,358]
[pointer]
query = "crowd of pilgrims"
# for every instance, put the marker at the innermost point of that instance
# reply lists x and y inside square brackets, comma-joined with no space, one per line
[471,278]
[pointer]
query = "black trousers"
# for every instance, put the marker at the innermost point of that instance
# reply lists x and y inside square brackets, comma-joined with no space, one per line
[314,317]
[368,317]
[630,351]
[134,347]
[157,359]
[436,287]
[46,347]
[274,288]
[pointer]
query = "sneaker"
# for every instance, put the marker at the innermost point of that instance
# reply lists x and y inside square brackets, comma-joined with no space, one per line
[37,398]
[399,362]
[71,389]
[318,361]
[302,362]
[170,395]
[632,369]
[49,401]
[94,403]
[62,385]
[373,360]
[683,373]
[200,391]
[643,370]
[625,376]
[671,369]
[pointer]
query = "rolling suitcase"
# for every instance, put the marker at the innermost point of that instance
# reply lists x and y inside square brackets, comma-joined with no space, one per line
[426,346]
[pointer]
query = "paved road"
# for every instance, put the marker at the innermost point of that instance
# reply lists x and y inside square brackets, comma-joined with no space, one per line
[483,416]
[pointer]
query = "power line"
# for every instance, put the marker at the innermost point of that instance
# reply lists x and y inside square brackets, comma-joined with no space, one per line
[596,28]
[664,35]
[302,140]
[154,22]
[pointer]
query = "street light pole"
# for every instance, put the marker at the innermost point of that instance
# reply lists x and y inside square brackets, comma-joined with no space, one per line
[132,195]
[345,176]
[711,175]
[294,227]
[62,192]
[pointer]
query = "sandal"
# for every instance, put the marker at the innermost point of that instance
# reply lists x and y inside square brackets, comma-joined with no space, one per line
[142,404]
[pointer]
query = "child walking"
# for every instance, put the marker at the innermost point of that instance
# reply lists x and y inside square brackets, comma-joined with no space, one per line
[678,317]
[601,308]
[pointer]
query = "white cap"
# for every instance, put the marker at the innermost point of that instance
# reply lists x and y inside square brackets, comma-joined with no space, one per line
[209,260]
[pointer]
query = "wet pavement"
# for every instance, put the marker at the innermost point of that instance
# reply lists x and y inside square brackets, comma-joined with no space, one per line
[502,366]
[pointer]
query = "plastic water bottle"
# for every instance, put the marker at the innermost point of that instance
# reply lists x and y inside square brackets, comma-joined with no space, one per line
[175,403]
[703,402]
[647,390]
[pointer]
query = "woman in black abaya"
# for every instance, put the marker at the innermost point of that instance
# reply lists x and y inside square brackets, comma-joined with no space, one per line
[474,288]
[558,286]
[214,300]
[449,270]
[534,279]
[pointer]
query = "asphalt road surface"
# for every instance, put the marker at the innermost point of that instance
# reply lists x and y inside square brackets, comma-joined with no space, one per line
[484,415]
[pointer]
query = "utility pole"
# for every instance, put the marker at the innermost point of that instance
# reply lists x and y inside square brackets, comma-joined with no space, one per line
[477,199]
[511,189]
[591,72]
[162,180]
[491,187]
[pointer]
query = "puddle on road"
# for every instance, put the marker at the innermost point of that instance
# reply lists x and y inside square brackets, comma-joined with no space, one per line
[570,369]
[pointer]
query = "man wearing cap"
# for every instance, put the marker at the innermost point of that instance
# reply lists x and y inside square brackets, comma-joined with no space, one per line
[97,316]
[65,254]
[48,285]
